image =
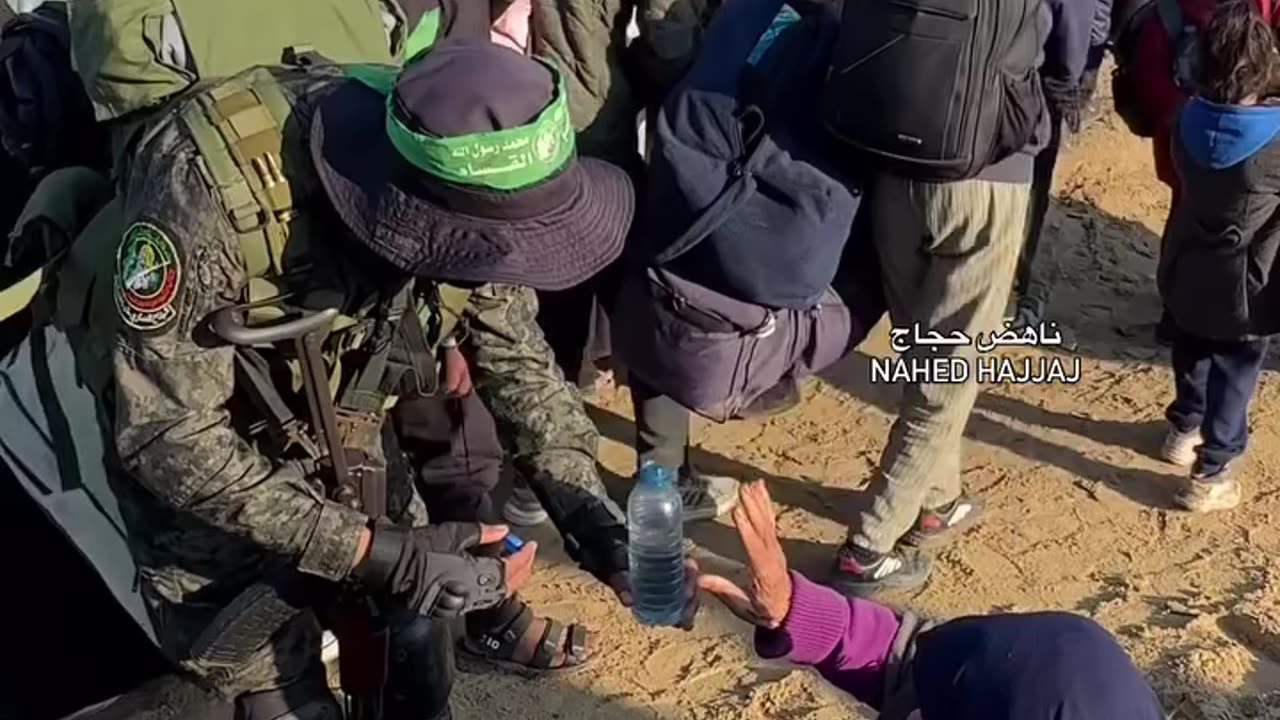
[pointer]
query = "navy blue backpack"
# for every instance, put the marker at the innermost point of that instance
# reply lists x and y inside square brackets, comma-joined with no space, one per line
[739,197]
[725,300]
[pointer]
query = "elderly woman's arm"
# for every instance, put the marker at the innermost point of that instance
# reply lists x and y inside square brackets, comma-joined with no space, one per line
[848,641]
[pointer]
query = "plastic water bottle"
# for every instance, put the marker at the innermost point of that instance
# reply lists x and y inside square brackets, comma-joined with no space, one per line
[656,529]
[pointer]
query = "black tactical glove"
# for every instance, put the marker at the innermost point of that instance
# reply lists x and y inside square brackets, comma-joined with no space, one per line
[596,541]
[430,570]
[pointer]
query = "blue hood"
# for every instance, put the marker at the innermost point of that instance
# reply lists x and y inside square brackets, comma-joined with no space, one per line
[1219,136]
[1040,666]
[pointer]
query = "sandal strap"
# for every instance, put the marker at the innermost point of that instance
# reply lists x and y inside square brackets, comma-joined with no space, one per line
[553,640]
[577,653]
[502,643]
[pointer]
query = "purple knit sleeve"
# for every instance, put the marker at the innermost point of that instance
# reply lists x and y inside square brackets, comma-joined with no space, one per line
[846,640]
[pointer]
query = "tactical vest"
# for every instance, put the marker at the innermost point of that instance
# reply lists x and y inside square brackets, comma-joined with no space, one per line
[237,127]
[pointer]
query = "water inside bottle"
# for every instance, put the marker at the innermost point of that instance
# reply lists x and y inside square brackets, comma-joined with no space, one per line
[656,547]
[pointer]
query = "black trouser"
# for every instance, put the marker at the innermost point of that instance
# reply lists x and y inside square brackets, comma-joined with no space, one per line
[575,327]
[1214,382]
[662,426]
[1041,191]
[457,459]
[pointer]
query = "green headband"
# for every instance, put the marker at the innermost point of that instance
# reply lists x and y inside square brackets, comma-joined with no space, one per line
[510,159]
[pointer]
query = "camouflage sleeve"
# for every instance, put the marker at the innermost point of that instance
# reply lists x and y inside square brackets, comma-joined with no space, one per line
[178,262]
[543,424]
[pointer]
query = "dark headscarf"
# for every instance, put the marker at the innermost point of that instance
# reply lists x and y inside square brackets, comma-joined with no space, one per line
[1042,666]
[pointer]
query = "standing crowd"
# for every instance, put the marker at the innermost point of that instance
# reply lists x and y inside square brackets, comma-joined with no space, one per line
[326,268]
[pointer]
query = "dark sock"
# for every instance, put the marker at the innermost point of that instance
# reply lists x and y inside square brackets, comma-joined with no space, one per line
[864,557]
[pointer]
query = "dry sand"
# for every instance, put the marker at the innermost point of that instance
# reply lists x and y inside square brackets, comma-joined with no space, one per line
[1079,514]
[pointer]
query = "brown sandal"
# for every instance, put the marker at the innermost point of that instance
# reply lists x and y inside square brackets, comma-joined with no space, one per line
[496,648]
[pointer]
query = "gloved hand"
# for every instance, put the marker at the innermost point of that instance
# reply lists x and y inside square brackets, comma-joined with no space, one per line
[431,570]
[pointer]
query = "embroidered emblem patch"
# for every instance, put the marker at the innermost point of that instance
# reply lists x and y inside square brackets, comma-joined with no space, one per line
[148,275]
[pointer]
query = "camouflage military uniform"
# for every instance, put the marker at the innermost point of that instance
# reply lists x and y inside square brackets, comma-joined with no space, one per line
[207,512]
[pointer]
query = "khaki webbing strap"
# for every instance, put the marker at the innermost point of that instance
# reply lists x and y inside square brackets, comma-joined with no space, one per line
[452,302]
[237,127]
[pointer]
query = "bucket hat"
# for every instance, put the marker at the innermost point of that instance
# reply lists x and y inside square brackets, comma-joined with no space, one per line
[463,168]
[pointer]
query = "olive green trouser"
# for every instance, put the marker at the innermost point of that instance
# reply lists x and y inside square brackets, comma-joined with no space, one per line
[947,255]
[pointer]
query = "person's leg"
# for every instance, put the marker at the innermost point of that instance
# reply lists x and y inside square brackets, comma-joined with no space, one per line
[662,437]
[456,459]
[662,426]
[281,680]
[1191,361]
[1032,281]
[955,275]
[565,317]
[1232,380]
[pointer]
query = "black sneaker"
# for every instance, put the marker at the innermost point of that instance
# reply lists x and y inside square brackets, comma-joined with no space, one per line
[941,525]
[862,573]
[780,398]
[706,496]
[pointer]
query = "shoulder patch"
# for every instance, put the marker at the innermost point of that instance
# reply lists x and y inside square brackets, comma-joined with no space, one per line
[148,277]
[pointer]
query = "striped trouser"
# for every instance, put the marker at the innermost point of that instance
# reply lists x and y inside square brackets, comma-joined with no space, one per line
[947,254]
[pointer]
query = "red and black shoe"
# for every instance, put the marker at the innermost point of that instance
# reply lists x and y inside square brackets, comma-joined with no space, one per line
[862,573]
[942,525]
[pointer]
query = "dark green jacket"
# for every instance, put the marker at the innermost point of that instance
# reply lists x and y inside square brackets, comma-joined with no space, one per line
[610,84]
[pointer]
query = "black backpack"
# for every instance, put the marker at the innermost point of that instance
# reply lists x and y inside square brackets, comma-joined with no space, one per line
[46,121]
[935,90]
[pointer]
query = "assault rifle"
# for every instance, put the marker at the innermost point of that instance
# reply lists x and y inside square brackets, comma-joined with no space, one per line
[357,619]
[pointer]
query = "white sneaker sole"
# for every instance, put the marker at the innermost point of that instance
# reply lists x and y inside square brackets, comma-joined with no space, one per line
[524,518]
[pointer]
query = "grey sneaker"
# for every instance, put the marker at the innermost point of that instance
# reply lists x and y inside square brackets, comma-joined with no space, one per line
[706,496]
[523,508]
[1179,447]
[1206,493]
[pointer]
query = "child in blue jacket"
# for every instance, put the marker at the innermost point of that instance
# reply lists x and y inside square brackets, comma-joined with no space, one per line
[1218,261]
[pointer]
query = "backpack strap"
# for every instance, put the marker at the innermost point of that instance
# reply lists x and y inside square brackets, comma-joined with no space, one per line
[739,189]
[19,44]
[237,127]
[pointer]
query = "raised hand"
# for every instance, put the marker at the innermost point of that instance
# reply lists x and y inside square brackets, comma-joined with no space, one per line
[766,601]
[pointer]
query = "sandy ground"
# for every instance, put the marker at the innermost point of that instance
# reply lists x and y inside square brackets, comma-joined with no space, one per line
[1079,515]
